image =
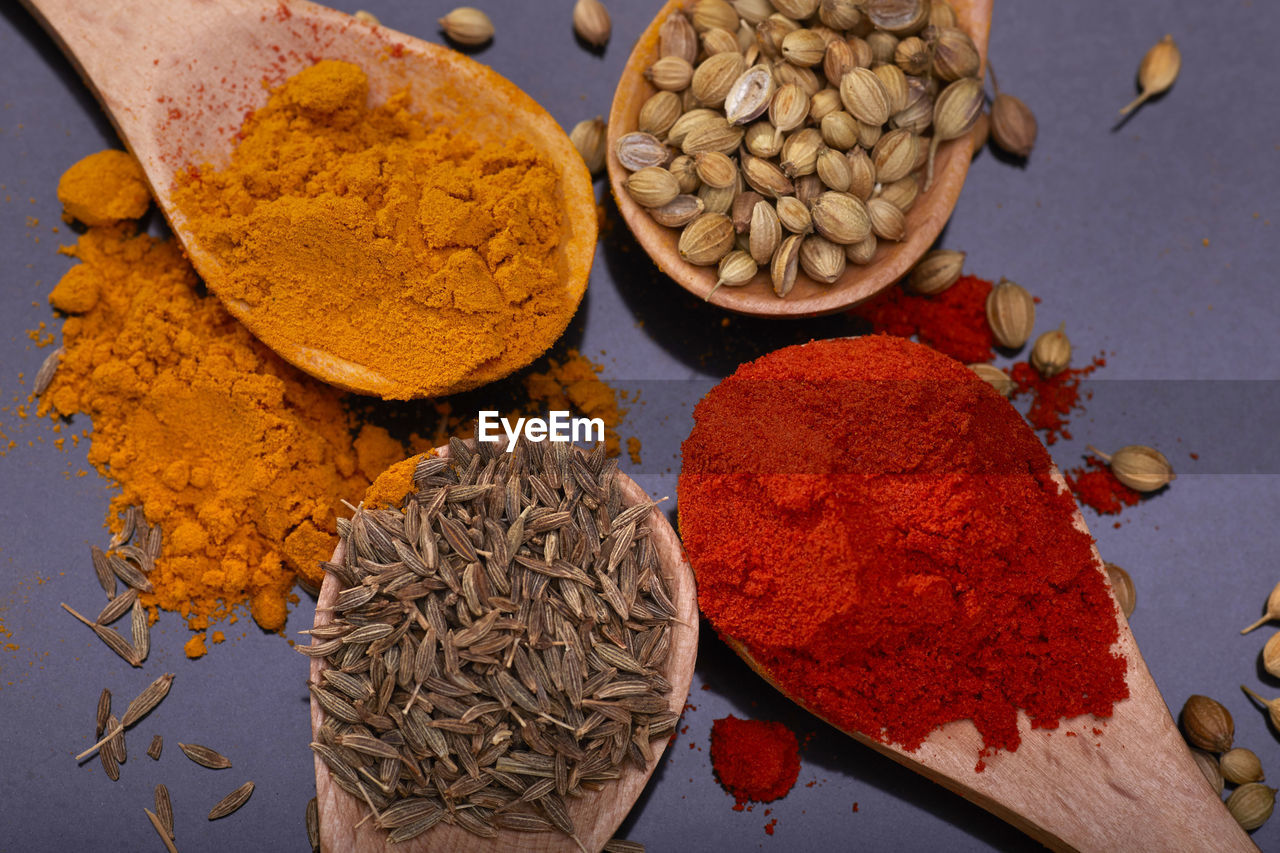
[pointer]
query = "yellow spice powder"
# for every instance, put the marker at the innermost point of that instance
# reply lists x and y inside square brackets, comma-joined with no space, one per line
[398,244]
[238,456]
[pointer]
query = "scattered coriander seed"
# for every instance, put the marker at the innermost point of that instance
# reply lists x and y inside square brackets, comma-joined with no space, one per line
[591,22]
[1156,73]
[1273,610]
[1240,766]
[467,26]
[1209,767]
[1251,805]
[366,18]
[1011,314]
[936,271]
[1051,353]
[1143,469]
[1013,125]
[588,136]
[1272,706]
[1271,655]
[1207,724]
[995,377]
[1122,588]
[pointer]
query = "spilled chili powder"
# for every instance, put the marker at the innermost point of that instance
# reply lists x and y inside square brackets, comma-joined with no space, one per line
[953,322]
[755,760]
[1052,399]
[879,529]
[1096,487]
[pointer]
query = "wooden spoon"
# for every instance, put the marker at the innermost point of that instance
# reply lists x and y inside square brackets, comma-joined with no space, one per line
[1133,787]
[177,79]
[596,816]
[808,298]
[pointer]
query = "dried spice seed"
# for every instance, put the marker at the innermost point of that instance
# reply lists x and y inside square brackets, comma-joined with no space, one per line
[204,756]
[104,712]
[117,607]
[467,26]
[164,809]
[1158,71]
[313,825]
[591,22]
[156,747]
[588,137]
[110,637]
[140,629]
[161,831]
[47,369]
[231,802]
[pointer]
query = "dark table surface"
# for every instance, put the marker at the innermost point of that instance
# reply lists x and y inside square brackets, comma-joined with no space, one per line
[1154,243]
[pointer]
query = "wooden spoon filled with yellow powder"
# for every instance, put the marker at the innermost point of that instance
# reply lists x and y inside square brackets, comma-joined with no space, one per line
[387,215]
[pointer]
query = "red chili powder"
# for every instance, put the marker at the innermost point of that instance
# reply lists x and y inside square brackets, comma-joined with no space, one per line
[754,759]
[1052,399]
[1097,487]
[878,528]
[954,322]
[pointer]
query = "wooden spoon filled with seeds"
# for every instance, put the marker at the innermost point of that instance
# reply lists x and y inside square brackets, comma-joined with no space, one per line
[499,661]
[798,163]
[178,87]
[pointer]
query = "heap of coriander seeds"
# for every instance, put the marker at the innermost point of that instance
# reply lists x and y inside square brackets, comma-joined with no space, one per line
[497,645]
[796,134]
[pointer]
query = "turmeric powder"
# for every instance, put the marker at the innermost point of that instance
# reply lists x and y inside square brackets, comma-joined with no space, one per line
[103,188]
[409,249]
[239,457]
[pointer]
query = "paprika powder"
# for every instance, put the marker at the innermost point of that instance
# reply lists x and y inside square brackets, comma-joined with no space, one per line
[755,760]
[1096,487]
[882,532]
[953,322]
[1053,398]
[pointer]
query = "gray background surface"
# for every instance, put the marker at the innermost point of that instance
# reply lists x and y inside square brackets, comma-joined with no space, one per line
[1108,227]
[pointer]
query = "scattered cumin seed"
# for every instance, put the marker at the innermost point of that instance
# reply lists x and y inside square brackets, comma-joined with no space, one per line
[204,756]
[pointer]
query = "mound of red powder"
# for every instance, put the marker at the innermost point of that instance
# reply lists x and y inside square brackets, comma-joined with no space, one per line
[879,528]
[754,760]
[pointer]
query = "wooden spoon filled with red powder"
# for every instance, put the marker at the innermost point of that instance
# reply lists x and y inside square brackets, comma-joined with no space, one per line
[882,537]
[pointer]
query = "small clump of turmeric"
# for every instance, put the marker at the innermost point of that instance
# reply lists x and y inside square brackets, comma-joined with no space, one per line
[104,188]
[408,248]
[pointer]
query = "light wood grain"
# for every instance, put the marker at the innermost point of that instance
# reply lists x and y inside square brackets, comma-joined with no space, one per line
[177,79]
[808,298]
[1134,787]
[596,815]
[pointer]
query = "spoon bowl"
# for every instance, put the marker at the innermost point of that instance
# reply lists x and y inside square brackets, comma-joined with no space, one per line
[1134,787]
[178,79]
[808,298]
[597,815]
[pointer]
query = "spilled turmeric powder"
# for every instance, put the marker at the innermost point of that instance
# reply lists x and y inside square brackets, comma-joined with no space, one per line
[239,457]
[406,248]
